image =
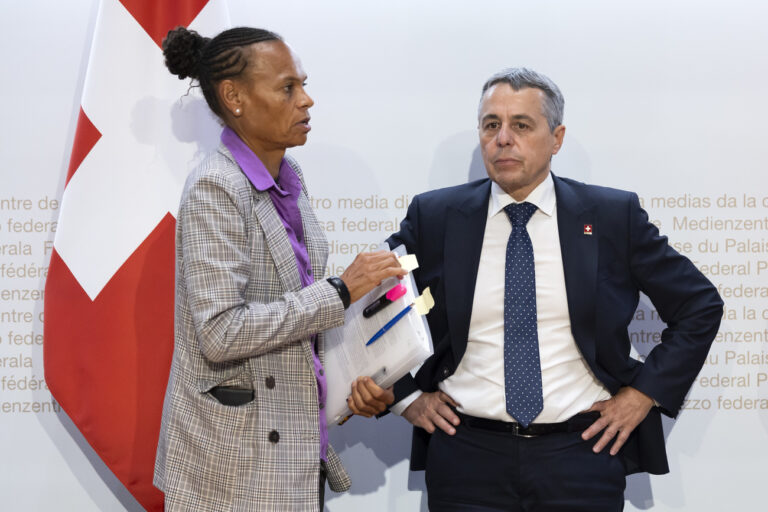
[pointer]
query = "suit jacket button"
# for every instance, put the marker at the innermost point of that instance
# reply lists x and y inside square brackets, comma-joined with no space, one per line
[269,382]
[274,436]
[445,371]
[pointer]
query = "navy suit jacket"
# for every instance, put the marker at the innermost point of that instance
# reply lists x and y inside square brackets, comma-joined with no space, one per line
[604,273]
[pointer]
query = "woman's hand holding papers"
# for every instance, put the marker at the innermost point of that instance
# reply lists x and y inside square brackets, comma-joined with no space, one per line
[368,270]
[368,398]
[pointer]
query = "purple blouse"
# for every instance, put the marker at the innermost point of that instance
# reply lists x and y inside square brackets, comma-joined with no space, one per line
[285,197]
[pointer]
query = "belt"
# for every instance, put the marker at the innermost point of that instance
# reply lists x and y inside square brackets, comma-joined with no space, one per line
[575,424]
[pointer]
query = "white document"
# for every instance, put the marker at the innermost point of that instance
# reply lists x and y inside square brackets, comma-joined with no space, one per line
[403,347]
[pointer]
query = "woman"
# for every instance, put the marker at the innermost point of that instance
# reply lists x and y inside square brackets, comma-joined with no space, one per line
[243,421]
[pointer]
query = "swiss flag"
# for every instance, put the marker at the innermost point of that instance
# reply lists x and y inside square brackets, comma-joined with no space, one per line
[110,288]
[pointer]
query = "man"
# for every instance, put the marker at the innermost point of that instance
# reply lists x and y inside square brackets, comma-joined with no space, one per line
[531,400]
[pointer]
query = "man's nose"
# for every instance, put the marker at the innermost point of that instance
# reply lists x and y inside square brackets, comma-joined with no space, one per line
[505,137]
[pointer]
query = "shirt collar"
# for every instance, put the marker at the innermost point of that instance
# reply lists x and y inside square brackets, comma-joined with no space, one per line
[254,169]
[543,196]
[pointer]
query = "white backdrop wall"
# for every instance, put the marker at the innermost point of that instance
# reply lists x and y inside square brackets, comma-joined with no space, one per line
[663,98]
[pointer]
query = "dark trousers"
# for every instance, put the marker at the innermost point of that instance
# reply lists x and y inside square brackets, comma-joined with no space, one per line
[483,471]
[323,478]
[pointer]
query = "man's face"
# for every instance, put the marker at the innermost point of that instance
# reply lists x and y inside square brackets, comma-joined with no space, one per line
[515,139]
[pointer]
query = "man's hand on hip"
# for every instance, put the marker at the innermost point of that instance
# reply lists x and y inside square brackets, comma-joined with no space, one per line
[431,410]
[619,415]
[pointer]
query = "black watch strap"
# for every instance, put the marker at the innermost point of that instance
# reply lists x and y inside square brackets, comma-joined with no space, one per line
[341,289]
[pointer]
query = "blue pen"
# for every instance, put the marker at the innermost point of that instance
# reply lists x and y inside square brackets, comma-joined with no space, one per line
[389,324]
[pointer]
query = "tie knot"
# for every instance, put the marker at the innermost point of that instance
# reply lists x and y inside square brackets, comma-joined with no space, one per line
[520,213]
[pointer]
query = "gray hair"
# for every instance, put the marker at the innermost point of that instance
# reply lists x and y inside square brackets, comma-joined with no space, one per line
[521,78]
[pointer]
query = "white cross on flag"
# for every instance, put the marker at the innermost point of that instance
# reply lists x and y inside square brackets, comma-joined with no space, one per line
[110,287]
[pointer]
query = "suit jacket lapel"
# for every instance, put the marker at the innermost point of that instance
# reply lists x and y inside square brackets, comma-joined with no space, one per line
[465,229]
[579,251]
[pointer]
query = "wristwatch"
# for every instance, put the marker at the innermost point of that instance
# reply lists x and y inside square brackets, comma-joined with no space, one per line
[341,289]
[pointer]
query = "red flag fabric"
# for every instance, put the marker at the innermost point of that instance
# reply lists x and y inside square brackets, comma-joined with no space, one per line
[108,334]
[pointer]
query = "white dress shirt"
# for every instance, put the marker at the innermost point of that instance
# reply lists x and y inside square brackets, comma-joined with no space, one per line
[568,384]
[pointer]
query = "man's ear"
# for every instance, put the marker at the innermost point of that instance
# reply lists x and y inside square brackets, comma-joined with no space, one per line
[559,133]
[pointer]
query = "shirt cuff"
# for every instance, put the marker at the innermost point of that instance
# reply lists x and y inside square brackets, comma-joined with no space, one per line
[403,404]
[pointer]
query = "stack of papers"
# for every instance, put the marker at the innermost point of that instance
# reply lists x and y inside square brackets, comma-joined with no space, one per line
[399,350]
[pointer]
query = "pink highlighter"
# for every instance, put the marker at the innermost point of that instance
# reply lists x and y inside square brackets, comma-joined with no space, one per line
[384,301]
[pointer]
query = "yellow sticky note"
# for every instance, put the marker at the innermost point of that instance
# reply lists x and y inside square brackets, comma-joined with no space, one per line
[424,303]
[409,262]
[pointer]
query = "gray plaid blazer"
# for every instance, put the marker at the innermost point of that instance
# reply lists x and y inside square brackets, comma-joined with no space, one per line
[242,319]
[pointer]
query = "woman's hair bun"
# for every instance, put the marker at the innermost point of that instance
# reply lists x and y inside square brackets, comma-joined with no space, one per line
[183,50]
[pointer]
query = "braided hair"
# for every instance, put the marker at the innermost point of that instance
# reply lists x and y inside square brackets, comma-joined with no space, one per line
[209,61]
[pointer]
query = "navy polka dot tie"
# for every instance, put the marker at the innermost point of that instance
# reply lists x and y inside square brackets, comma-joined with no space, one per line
[522,369]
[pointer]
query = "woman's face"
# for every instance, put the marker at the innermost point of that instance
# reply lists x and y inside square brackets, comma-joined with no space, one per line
[275,106]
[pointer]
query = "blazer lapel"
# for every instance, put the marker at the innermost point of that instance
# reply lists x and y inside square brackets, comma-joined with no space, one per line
[576,223]
[277,241]
[314,239]
[278,245]
[465,229]
[317,247]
